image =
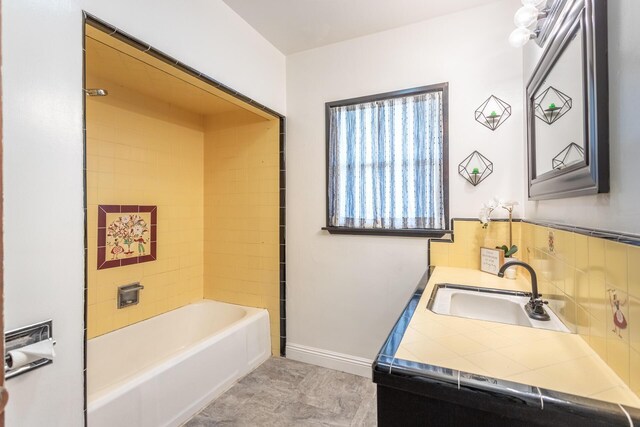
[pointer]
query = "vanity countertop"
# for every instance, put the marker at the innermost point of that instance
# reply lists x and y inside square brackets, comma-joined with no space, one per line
[554,360]
[526,363]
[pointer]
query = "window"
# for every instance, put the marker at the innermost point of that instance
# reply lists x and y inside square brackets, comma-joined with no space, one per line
[387,163]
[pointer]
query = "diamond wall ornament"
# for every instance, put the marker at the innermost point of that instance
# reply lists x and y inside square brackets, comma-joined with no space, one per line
[570,155]
[475,168]
[493,112]
[551,104]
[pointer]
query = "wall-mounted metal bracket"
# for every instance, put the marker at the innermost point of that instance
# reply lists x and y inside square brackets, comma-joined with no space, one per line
[129,294]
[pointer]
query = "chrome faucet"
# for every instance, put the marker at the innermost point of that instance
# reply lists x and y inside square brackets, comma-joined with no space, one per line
[535,306]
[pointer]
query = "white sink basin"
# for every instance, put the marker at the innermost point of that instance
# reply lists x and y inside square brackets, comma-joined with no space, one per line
[492,305]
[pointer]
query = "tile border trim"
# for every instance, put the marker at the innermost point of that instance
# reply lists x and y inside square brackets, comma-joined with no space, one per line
[282,228]
[627,238]
[103,210]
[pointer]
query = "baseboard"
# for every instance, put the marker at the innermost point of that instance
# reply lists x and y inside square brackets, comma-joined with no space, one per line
[330,359]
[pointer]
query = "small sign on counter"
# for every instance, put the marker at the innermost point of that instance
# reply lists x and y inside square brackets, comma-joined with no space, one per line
[491,260]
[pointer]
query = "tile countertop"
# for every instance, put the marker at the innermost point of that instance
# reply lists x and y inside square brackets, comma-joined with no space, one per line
[552,360]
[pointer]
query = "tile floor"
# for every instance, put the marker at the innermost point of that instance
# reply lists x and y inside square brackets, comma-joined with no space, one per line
[283,392]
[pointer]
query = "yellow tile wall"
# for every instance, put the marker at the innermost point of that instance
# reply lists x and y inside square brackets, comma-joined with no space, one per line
[577,275]
[468,238]
[241,213]
[145,152]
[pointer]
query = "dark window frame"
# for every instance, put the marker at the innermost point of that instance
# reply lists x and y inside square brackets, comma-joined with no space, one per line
[414,232]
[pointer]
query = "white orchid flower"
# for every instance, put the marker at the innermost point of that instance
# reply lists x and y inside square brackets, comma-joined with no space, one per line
[493,203]
[485,212]
[509,205]
[483,215]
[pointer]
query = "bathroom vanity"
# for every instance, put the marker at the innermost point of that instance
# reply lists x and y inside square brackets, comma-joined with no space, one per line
[441,369]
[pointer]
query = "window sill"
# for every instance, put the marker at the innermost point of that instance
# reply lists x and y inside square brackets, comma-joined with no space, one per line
[381,232]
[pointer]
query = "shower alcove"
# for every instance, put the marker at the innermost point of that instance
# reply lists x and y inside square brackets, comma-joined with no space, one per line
[211,162]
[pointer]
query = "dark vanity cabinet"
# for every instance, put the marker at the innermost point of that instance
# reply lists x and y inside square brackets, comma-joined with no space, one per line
[418,394]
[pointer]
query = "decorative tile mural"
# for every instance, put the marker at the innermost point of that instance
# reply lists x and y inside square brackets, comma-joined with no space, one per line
[126,235]
[619,318]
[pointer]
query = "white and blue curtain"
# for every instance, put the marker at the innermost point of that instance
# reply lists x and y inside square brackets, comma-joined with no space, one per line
[386,164]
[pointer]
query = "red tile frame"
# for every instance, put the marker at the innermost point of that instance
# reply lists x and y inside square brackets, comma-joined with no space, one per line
[102,235]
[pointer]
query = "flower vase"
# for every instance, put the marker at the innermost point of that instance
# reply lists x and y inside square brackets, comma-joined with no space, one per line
[510,273]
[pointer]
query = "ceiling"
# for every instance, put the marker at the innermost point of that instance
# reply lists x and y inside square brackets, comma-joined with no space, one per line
[297,25]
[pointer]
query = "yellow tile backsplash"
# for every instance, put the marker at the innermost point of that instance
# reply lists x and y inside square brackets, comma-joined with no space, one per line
[468,237]
[634,323]
[634,368]
[616,265]
[633,270]
[592,283]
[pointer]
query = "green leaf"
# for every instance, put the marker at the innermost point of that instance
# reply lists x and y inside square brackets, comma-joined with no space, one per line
[508,251]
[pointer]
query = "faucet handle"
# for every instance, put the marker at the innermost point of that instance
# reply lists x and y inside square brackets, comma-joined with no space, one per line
[535,309]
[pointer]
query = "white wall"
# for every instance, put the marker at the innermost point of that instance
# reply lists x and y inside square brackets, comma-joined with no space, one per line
[42,107]
[345,292]
[619,210]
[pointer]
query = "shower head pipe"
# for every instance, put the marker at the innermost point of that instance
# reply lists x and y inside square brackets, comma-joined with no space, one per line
[96,92]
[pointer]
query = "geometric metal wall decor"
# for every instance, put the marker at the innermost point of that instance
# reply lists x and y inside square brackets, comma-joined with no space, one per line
[551,104]
[493,112]
[475,168]
[570,155]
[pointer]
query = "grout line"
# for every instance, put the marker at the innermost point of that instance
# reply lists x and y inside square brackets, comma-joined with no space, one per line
[627,414]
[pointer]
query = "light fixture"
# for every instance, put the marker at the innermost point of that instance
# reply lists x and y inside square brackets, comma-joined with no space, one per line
[534,3]
[526,16]
[520,36]
[527,20]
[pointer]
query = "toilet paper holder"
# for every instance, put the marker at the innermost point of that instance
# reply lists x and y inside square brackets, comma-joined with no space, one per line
[23,339]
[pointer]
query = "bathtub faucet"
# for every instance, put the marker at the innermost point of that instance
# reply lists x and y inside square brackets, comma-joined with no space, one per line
[535,306]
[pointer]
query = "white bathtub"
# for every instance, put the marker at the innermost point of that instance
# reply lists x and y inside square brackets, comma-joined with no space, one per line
[162,371]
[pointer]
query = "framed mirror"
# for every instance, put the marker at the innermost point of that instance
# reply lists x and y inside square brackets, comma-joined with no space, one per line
[568,107]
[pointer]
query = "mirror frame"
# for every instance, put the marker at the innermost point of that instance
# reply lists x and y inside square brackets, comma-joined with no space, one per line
[592,175]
